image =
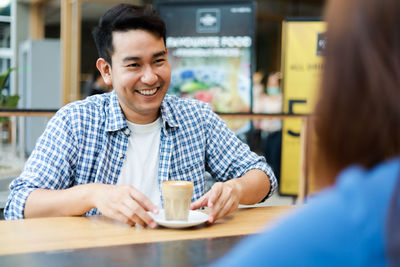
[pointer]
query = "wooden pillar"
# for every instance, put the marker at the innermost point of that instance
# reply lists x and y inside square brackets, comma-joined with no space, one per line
[70,49]
[37,20]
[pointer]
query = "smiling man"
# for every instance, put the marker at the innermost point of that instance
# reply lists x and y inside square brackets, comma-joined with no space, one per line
[140,73]
[109,153]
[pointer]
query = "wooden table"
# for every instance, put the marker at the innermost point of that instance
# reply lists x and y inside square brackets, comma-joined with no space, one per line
[74,233]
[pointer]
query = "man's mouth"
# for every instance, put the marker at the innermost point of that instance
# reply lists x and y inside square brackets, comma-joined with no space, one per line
[148,92]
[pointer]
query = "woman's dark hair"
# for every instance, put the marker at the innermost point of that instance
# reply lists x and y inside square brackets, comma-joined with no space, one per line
[125,17]
[357,116]
[358,111]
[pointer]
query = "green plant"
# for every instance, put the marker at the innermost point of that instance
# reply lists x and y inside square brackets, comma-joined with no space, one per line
[6,100]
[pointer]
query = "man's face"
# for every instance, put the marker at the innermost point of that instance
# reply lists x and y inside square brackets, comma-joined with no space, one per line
[140,74]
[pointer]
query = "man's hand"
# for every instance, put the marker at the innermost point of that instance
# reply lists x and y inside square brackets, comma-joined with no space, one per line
[128,205]
[222,199]
[124,203]
[120,202]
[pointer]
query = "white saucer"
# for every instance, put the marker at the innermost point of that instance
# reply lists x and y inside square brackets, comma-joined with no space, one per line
[195,218]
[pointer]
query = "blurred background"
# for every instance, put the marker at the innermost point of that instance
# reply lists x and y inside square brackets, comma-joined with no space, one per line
[243,57]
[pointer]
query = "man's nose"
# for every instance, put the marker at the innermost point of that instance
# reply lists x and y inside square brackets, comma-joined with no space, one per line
[149,76]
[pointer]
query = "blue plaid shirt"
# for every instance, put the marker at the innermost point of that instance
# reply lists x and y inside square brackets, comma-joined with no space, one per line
[86,142]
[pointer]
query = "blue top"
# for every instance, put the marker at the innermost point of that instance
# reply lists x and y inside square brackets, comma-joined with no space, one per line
[342,226]
[86,142]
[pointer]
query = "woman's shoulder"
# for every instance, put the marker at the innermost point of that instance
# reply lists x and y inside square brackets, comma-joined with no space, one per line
[356,180]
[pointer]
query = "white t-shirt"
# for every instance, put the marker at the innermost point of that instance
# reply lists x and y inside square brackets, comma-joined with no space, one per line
[140,168]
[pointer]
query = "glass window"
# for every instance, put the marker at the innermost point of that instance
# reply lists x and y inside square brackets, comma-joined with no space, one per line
[5,64]
[5,7]
[5,38]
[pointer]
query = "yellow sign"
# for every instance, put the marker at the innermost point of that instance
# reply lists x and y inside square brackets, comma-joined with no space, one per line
[302,46]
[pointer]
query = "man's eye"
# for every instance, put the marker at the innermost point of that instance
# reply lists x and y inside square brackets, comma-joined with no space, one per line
[159,60]
[134,65]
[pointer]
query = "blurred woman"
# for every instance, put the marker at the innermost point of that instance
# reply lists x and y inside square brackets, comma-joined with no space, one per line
[354,221]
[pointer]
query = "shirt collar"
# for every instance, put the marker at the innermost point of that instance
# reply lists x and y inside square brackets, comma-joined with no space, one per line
[168,112]
[115,118]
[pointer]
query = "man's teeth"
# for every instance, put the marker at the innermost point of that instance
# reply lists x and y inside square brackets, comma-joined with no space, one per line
[148,92]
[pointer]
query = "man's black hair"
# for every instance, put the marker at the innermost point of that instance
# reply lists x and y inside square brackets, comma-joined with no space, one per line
[125,17]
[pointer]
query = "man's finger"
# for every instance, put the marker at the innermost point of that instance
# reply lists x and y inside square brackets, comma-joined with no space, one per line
[215,193]
[143,201]
[201,202]
[135,212]
[224,210]
[139,220]
[123,216]
[218,205]
[220,202]
[145,219]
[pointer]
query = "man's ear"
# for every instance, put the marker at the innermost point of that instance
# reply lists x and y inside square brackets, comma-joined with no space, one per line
[105,69]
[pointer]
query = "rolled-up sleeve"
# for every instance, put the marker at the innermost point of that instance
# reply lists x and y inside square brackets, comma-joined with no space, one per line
[49,166]
[228,157]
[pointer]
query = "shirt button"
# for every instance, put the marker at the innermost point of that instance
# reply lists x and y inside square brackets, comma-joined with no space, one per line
[121,155]
[127,131]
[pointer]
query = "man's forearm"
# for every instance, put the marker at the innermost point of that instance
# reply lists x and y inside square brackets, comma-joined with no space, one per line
[253,186]
[67,202]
